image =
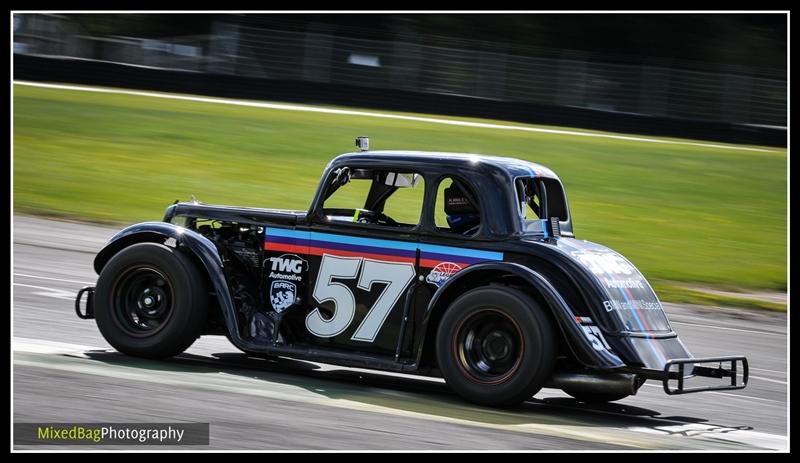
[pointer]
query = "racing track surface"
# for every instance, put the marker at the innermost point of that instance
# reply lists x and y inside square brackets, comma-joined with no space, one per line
[64,371]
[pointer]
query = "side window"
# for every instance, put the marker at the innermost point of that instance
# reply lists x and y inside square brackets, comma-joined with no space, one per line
[530,192]
[457,210]
[376,197]
[405,204]
[528,199]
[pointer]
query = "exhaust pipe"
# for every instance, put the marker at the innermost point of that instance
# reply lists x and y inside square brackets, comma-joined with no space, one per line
[612,383]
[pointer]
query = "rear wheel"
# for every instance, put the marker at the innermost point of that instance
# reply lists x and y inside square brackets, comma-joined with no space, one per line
[150,301]
[495,346]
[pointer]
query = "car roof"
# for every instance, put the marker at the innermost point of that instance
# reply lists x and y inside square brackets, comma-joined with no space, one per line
[455,162]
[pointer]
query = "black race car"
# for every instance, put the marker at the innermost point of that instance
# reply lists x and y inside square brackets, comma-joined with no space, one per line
[446,264]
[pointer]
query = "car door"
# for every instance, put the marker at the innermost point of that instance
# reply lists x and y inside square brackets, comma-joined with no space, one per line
[450,242]
[361,273]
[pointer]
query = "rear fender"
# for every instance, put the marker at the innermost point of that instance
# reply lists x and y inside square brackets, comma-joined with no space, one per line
[587,353]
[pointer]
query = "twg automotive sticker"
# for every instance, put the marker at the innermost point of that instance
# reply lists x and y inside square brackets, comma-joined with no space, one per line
[287,267]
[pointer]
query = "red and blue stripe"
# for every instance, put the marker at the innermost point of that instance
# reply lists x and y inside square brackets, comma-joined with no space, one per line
[317,244]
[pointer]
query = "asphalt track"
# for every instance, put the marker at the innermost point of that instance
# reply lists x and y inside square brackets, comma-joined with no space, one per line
[64,371]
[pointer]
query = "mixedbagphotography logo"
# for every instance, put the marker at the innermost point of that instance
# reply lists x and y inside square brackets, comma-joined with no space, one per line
[111,433]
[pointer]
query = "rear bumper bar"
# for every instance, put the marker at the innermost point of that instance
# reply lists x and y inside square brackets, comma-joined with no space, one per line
[738,364]
[676,372]
[89,312]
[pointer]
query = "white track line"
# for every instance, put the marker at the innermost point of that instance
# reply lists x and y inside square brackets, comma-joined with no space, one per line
[50,292]
[42,346]
[729,329]
[768,379]
[769,371]
[46,288]
[318,109]
[49,278]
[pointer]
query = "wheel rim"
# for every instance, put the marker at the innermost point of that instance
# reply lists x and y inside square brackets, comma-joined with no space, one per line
[143,300]
[488,346]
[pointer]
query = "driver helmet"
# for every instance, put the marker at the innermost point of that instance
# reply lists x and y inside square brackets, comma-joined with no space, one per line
[461,214]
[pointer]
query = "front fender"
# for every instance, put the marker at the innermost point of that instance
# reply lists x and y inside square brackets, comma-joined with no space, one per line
[199,245]
[577,340]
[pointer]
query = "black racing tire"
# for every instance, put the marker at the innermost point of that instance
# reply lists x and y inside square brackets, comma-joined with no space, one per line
[595,397]
[496,346]
[150,301]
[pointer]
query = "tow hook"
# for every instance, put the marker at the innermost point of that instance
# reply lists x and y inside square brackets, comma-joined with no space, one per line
[89,313]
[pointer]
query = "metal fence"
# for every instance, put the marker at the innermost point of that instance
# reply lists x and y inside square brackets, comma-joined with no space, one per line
[425,64]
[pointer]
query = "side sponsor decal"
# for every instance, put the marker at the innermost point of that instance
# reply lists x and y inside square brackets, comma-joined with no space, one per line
[282,295]
[286,267]
[593,333]
[446,261]
[442,272]
[630,293]
[286,272]
[630,296]
[395,275]
[604,263]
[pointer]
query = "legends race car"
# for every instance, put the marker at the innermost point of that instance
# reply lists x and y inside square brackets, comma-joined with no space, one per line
[444,264]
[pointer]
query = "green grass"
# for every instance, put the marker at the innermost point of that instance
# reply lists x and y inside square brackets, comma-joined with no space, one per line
[681,213]
[676,293]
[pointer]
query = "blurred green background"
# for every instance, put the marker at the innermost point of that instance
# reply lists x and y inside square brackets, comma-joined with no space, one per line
[684,214]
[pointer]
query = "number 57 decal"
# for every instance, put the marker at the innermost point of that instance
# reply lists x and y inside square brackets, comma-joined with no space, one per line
[396,275]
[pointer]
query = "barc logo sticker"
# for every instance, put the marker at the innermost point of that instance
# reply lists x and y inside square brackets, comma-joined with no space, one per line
[282,295]
[442,272]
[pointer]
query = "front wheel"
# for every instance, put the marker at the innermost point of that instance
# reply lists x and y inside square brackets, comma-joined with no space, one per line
[495,346]
[150,301]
